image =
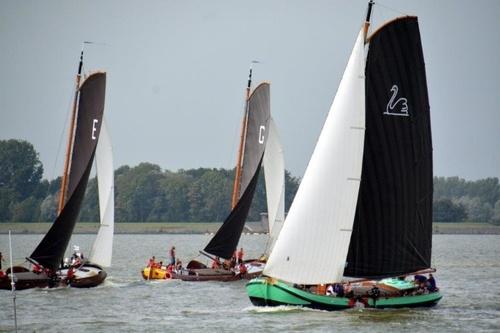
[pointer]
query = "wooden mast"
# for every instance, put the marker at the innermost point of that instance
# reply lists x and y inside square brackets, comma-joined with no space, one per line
[239,161]
[366,25]
[71,133]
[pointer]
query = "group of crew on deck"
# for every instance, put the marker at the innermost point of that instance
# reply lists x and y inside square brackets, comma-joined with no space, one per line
[235,264]
[374,289]
[173,263]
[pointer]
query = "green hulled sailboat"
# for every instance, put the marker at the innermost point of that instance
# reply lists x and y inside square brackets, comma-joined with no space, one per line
[359,231]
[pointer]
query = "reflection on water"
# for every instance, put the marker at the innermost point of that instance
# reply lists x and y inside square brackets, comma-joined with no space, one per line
[468,274]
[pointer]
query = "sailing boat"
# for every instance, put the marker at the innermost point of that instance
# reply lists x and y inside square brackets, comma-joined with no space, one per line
[85,128]
[90,273]
[254,139]
[361,221]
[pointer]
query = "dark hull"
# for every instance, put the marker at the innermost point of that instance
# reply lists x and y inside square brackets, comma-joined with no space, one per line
[199,272]
[89,282]
[215,275]
[87,276]
[28,280]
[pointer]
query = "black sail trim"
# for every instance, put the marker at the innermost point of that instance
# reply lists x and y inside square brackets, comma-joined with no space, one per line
[50,251]
[225,241]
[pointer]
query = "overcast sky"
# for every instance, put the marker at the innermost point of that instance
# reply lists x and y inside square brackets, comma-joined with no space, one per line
[177,72]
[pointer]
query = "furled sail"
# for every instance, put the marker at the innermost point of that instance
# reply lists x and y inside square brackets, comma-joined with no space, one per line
[227,237]
[102,248]
[312,245]
[392,232]
[274,172]
[50,251]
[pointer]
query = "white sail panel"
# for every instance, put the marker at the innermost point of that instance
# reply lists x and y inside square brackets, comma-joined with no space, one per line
[313,244]
[102,248]
[274,174]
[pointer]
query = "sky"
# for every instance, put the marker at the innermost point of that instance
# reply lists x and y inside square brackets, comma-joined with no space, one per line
[177,71]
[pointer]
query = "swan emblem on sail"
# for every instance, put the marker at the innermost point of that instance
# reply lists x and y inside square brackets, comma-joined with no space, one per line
[390,109]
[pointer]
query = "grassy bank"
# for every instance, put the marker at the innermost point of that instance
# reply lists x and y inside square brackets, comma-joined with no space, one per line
[206,227]
[127,228]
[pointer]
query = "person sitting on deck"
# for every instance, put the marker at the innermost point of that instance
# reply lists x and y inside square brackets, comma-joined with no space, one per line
[329,290]
[178,266]
[159,265]
[37,268]
[420,280]
[348,292]
[431,283]
[216,263]
[70,274]
[233,262]
[243,269]
[151,262]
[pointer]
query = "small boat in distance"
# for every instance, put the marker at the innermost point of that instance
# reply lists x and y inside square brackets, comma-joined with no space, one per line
[360,224]
[258,133]
[44,268]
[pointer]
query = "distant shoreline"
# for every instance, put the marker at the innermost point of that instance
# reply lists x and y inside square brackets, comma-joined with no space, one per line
[207,227]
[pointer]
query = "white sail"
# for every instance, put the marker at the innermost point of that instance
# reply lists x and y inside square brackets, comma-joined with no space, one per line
[274,174]
[312,246]
[102,249]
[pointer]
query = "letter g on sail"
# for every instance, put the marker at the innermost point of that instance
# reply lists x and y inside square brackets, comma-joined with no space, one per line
[262,129]
[397,107]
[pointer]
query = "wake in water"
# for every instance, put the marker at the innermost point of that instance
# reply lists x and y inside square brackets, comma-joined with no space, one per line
[278,309]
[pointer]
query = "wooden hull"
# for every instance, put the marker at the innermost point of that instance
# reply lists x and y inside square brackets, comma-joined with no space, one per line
[28,280]
[264,291]
[254,269]
[88,276]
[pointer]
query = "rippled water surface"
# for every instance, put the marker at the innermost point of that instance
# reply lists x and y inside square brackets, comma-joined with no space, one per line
[468,275]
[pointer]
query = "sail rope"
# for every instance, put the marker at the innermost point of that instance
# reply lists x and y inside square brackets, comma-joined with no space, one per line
[61,139]
[390,8]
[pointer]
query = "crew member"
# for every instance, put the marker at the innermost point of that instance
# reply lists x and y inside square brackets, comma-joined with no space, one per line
[216,263]
[152,263]
[172,255]
[240,256]
[431,283]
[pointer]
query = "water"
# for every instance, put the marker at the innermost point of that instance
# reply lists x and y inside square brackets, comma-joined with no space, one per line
[468,275]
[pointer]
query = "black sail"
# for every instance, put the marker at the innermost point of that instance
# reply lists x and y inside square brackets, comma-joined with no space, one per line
[225,241]
[256,134]
[392,231]
[50,251]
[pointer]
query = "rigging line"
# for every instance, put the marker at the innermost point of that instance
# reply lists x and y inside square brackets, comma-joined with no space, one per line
[390,8]
[61,138]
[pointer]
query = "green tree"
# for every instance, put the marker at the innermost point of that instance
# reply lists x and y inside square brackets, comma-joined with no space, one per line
[496,213]
[444,210]
[20,167]
[27,210]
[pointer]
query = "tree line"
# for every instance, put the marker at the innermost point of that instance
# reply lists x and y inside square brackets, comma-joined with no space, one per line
[458,200]
[146,193]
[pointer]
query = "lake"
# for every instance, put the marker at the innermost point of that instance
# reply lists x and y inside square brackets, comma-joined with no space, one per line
[468,275]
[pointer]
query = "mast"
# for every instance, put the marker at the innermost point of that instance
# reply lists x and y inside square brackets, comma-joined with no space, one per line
[366,25]
[71,133]
[239,161]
